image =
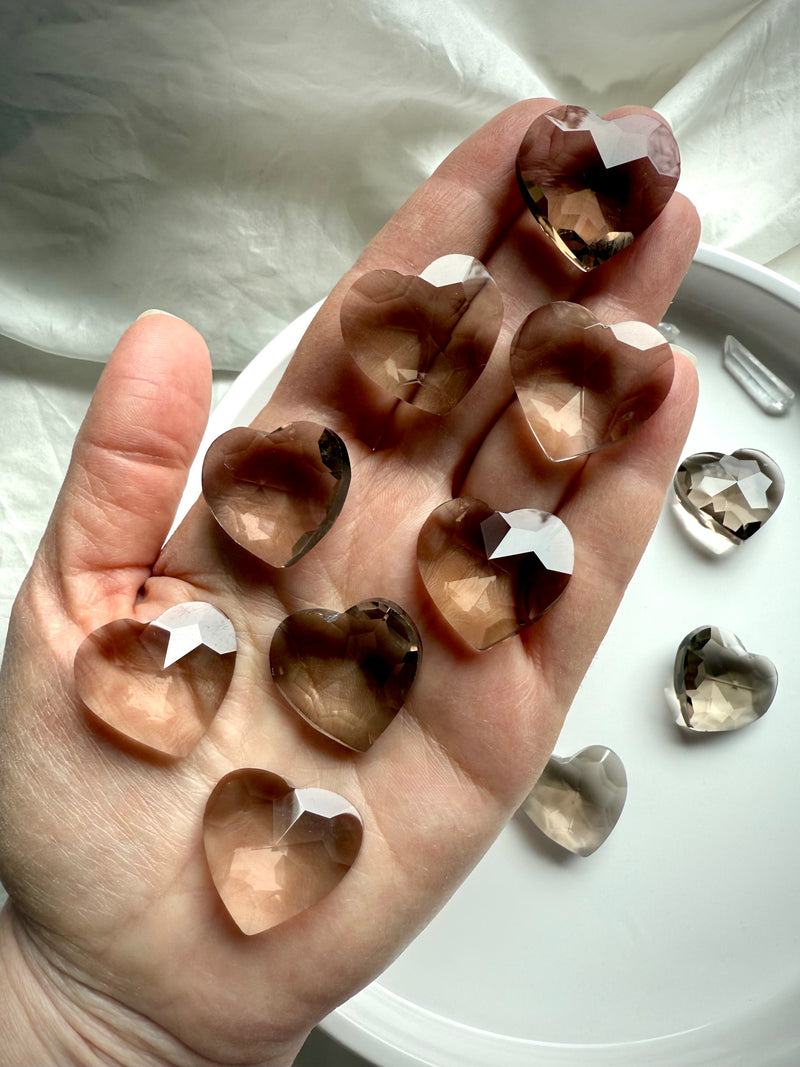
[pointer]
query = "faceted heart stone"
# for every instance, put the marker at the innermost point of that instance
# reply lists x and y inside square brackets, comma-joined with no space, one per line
[277,494]
[159,683]
[733,496]
[578,800]
[583,385]
[347,673]
[273,850]
[719,684]
[595,184]
[424,339]
[492,573]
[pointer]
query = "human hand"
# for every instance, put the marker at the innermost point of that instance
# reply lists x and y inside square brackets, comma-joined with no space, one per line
[115,946]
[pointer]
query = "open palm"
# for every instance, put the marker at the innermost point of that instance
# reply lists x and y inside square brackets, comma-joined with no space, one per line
[115,932]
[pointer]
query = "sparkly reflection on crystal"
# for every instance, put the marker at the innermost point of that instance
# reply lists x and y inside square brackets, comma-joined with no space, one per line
[583,386]
[161,683]
[491,573]
[593,184]
[669,331]
[719,684]
[732,495]
[424,339]
[770,393]
[347,673]
[578,800]
[277,494]
[274,851]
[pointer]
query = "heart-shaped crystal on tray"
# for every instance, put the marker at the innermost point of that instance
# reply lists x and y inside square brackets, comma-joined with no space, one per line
[277,494]
[493,573]
[159,683]
[347,673]
[583,385]
[730,495]
[721,686]
[424,339]
[274,850]
[579,799]
[595,184]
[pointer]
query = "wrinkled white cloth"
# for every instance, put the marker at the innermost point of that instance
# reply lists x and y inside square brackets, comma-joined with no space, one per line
[227,162]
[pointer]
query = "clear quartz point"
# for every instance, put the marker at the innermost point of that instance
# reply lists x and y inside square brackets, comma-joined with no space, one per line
[669,331]
[770,393]
[578,800]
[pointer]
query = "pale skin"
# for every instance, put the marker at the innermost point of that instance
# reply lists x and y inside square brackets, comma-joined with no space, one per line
[115,947]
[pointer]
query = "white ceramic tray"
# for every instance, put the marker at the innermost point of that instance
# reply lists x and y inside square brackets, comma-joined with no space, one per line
[678,942]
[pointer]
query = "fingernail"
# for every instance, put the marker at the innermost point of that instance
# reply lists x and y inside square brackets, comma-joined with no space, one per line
[155,311]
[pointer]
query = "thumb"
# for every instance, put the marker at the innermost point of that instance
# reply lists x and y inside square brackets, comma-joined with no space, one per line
[129,467]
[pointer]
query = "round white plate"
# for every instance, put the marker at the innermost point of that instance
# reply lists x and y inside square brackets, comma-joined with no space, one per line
[678,942]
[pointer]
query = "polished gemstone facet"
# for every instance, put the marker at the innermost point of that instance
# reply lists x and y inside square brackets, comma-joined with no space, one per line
[593,184]
[770,393]
[347,673]
[492,573]
[424,339]
[578,800]
[719,684]
[159,683]
[583,385]
[274,851]
[734,495]
[277,494]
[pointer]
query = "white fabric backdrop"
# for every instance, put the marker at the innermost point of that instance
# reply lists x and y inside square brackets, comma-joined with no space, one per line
[227,161]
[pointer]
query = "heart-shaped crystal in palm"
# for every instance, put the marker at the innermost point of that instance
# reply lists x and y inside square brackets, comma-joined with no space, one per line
[595,184]
[424,339]
[160,683]
[579,799]
[274,850]
[733,495]
[583,385]
[719,684]
[347,673]
[493,573]
[277,494]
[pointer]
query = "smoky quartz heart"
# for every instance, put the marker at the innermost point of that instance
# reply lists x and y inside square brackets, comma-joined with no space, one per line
[595,184]
[730,495]
[582,385]
[424,339]
[277,494]
[719,684]
[492,573]
[273,850]
[579,799]
[347,673]
[160,683]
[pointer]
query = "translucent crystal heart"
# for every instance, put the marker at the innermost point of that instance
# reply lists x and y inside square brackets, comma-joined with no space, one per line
[424,339]
[347,673]
[492,573]
[583,385]
[595,184]
[579,799]
[274,850]
[730,495]
[719,684]
[277,494]
[159,683]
